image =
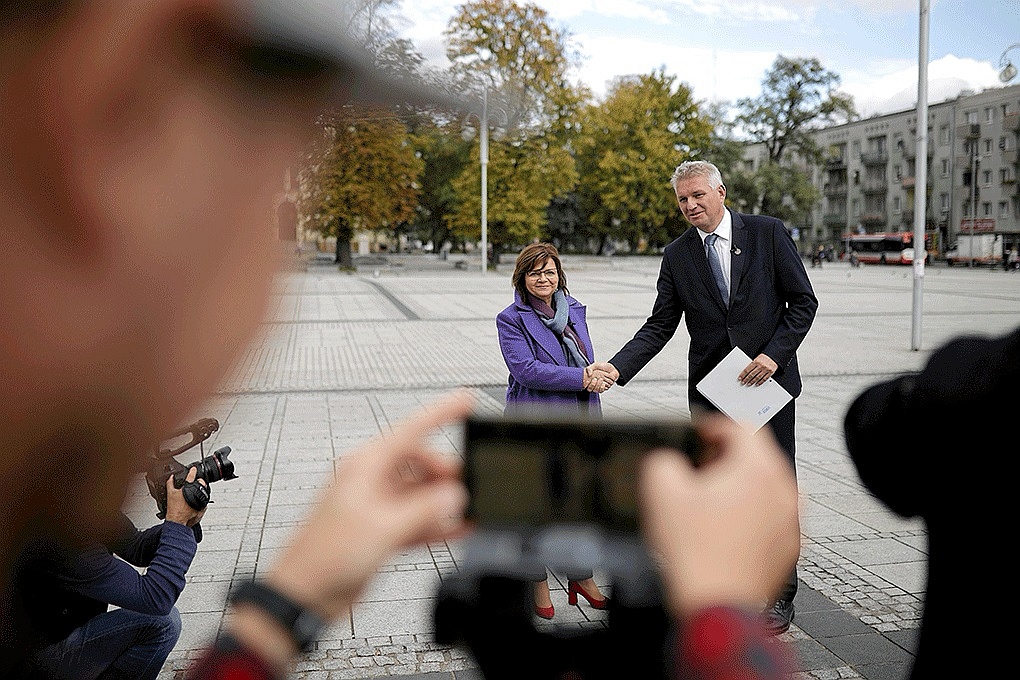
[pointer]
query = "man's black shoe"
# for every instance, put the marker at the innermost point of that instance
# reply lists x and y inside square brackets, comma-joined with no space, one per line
[778,617]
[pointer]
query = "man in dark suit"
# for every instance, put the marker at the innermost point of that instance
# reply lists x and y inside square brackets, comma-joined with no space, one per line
[741,283]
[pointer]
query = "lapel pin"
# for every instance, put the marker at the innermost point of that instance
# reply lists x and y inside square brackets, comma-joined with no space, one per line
[736,251]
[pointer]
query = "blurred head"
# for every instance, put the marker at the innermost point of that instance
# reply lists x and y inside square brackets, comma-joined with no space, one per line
[535,259]
[700,193]
[143,143]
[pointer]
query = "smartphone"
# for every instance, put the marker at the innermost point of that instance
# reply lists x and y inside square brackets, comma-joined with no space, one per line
[532,471]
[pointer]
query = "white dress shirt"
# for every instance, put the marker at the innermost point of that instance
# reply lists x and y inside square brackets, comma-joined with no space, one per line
[723,245]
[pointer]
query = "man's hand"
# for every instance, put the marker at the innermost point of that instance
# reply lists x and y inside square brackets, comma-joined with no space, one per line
[727,531]
[758,371]
[603,375]
[177,509]
[597,379]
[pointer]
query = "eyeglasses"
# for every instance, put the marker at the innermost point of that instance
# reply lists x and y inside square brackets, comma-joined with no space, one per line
[545,273]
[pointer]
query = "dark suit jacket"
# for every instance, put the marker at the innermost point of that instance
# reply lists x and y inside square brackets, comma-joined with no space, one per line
[771,305]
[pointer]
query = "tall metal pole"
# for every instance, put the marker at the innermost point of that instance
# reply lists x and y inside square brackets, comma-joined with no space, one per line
[973,198]
[920,177]
[485,178]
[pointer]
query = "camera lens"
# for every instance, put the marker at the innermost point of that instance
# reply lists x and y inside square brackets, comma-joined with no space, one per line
[217,466]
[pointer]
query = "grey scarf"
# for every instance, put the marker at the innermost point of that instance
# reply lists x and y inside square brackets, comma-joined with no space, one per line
[558,322]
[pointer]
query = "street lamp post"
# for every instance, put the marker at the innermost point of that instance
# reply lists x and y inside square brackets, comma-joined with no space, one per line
[973,198]
[484,153]
[920,176]
[483,133]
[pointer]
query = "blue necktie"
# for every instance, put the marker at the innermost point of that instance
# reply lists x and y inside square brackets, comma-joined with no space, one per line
[716,266]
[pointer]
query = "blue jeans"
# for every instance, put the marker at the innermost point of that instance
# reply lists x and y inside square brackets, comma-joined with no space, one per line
[118,644]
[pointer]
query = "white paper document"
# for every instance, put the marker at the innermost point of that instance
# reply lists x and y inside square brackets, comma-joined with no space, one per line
[751,405]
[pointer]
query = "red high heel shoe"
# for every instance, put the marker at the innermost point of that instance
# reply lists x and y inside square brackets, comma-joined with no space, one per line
[545,612]
[573,590]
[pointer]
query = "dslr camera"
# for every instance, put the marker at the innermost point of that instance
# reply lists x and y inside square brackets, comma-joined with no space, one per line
[164,465]
[558,491]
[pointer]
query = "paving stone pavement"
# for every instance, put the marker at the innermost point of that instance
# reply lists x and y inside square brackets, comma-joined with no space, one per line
[344,356]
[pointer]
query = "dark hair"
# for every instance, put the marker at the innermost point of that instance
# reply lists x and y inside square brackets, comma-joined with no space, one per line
[535,254]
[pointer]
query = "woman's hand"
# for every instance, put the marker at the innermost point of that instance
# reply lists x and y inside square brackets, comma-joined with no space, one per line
[597,379]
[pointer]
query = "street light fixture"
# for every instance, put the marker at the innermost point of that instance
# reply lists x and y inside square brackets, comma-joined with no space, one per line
[1008,71]
[483,128]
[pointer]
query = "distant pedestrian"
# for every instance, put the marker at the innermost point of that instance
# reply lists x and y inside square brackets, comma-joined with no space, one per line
[547,348]
[1014,259]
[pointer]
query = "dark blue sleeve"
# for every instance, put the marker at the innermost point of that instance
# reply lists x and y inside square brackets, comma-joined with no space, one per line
[99,575]
[658,328]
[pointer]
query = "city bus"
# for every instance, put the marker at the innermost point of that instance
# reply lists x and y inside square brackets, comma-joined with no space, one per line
[883,248]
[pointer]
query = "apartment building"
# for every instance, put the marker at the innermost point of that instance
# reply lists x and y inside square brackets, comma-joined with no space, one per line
[867,177]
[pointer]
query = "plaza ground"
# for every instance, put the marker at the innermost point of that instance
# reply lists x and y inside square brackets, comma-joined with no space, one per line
[342,357]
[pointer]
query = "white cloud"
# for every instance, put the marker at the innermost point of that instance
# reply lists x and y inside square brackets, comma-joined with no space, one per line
[712,74]
[892,86]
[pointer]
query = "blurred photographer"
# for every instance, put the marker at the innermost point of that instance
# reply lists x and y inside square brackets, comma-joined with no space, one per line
[137,134]
[71,597]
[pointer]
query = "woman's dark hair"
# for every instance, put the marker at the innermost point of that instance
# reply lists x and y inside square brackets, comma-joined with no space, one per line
[534,255]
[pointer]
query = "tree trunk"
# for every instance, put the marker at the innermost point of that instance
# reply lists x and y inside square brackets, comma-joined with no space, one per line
[603,240]
[343,247]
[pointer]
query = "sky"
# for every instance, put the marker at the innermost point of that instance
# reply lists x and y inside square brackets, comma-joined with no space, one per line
[722,48]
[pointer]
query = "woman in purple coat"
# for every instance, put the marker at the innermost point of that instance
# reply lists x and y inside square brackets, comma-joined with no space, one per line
[546,346]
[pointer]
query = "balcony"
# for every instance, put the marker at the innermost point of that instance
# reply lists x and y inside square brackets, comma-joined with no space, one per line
[1011,121]
[873,219]
[834,219]
[835,163]
[874,157]
[969,131]
[834,189]
[908,182]
[875,187]
[907,217]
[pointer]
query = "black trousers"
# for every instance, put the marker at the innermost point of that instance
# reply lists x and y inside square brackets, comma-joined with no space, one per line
[783,427]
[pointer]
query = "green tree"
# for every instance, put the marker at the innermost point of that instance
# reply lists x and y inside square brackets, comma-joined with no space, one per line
[512,52]
[627,147]
[445,155]
[362,173]
[523,177]
[798,96]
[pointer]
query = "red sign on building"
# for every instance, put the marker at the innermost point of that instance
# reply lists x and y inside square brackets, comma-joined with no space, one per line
[980,226]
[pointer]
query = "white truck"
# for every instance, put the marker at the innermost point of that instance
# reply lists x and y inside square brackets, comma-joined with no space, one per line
[985,249]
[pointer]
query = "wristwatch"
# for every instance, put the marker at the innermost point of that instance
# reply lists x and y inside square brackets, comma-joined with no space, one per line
[303,624]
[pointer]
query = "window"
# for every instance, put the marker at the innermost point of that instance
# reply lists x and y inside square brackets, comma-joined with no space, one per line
[945,167]
[944,135]
[972,117]
[856,207]
[898,172]
[1004,144]
[966,208]
[896,207]
[944,202]
[989,114]
[1003,208]
[986,209]
[986,177]
[988,145]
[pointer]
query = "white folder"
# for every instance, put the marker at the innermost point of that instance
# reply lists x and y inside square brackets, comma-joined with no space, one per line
[753,405]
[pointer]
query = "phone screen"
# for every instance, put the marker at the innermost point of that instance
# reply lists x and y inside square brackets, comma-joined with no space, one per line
[533,472]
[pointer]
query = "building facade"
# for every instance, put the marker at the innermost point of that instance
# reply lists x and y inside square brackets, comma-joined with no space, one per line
[867,178]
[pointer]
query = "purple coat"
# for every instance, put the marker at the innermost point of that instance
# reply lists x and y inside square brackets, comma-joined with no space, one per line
[539,370]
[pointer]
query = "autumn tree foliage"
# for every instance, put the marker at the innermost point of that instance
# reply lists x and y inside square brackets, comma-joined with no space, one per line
[627,148]
[361,174]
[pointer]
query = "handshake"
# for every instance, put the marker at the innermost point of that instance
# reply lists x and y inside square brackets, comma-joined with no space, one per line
[600,376]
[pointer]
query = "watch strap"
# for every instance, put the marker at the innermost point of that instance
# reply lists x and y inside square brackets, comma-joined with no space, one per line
[303,624]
